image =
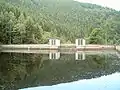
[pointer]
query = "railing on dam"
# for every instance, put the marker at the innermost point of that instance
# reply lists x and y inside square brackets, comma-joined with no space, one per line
[53,44]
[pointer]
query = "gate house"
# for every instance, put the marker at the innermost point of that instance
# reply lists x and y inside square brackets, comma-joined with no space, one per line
[54,42]
[80,42]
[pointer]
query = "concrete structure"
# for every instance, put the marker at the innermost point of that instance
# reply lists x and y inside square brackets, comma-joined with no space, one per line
[68,47]
[0,47]
[118,51]
[54,42]
[80,56]
[90,52]
[80,43]
[117,48]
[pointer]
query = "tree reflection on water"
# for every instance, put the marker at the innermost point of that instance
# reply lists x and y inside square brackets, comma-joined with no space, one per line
[30,70]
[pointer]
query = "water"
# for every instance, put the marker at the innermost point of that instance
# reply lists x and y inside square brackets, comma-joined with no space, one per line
[60,71]
[109,82]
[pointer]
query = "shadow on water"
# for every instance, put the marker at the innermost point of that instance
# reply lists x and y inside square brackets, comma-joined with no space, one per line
[20,70]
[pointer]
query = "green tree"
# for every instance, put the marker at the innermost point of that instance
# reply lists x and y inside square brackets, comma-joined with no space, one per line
[96,36]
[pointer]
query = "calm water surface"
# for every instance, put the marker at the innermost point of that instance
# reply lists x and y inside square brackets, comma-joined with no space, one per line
[60,71]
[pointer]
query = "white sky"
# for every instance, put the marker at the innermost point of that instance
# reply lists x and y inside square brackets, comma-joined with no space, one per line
[115,4]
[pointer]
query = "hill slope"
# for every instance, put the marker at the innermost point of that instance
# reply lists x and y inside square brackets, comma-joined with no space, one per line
[33,21]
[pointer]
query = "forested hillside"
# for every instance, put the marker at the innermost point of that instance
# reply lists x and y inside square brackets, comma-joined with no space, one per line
[34,21]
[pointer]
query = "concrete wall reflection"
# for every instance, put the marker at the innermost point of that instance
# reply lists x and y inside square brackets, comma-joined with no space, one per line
[78,55]
[54,55]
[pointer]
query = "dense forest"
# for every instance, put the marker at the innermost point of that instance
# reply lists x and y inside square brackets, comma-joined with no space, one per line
[34,21]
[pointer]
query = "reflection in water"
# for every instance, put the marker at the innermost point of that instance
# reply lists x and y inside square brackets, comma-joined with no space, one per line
[79,56]
[54,55]
[20,70]
[109,82]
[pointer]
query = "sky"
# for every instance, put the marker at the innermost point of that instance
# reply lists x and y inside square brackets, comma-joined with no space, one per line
[115,4]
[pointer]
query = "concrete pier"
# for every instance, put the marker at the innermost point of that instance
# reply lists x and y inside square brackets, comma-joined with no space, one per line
[118,48]
[29,47]
[54,44]
[70,47]
[62,52]
[96,47]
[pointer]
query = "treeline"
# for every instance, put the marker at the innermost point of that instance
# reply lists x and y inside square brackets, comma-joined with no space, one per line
[17,27]
[34,21]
